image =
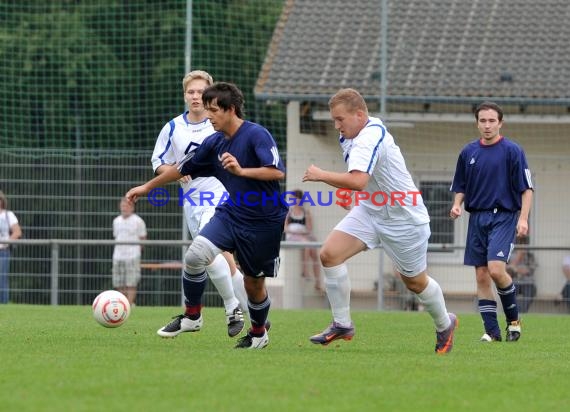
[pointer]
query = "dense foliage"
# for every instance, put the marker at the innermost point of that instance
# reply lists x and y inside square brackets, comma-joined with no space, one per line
[106,74]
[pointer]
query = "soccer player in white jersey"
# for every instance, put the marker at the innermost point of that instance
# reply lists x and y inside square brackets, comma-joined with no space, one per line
[390,212]
[179,137]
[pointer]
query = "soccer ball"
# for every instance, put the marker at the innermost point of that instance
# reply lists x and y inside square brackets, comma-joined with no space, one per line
[111,308]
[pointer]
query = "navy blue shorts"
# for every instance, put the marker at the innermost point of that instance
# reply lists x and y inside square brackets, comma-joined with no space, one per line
[256,248]
[490,236]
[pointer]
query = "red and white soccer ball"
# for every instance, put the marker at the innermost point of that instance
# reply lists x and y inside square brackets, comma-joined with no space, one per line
[111,308]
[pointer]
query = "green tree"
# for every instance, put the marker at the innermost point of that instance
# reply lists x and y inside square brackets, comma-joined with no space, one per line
[107,74]
[78,74]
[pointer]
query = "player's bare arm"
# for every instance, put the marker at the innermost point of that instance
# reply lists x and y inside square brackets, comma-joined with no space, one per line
[455,211]
[522,223]
[230,163]
[353,180]
[162,168]
[170,174]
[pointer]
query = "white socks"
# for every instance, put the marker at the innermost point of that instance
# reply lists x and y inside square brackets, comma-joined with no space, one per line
[337,285]
[219,273]
[432,299]
[239,291]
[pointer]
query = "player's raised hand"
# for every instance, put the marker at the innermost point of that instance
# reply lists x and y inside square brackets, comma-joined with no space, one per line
[230,163]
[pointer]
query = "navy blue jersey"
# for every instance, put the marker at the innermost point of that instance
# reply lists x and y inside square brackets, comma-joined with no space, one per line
[492,176]
[249,200]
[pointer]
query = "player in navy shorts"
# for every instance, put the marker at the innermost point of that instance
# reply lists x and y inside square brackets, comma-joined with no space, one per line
[493,181]
[244,157]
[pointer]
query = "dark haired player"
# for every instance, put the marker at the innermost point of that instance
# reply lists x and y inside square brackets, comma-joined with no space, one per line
[493,179]
[244,157]
[178,137]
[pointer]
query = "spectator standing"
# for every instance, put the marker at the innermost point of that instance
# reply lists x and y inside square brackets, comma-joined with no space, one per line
[9,229]
[565,293]
[127,227]
[299,228]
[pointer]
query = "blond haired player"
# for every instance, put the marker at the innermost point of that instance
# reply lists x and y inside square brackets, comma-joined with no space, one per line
[375,164]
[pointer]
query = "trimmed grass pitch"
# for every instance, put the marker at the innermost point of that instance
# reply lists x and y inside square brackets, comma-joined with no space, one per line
[60,359]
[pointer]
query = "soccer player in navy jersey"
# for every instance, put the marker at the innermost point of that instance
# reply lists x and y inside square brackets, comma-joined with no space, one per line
[493,181]
[178,137]
[244,157]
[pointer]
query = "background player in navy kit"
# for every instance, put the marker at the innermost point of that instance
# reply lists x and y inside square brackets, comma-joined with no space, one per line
[244,156]
[180,136]
[492,178]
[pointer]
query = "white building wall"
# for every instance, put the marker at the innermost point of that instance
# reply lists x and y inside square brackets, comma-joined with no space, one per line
[432,149]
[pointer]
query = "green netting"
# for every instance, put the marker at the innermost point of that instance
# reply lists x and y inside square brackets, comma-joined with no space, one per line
[107,73]
[85,87]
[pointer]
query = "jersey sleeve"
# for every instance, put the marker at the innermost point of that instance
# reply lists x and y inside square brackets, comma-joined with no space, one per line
[267,152]
[115,228]
[163,151]
[12,219]
[521,175]
[458,184]
[364,153]
[141,228]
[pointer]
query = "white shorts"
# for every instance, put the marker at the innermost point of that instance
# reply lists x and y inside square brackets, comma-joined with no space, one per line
[197,217]
[126,273]
[405,244]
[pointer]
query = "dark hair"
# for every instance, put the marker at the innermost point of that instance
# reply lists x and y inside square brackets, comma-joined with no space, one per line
[226,95]
[489,106]
[3,201]
[298,193]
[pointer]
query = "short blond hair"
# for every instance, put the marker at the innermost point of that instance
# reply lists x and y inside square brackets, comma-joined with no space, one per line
[350,98]
[196,74]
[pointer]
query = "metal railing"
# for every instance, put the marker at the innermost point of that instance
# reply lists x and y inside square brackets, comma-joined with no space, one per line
[46,271]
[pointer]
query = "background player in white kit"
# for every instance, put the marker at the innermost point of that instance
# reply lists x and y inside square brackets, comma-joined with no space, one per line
[375,164]
[179,137]
[128,226]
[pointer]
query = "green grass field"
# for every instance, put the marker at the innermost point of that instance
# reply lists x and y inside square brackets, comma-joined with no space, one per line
[60,359]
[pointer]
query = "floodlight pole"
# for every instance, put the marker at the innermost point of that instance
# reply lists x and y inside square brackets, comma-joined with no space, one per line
[383,91]
[188,51]
[187,67]
[383,58]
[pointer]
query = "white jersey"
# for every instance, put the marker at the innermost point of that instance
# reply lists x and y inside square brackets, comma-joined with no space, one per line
[178,138]
[393,196]
[7,220]
[128,229]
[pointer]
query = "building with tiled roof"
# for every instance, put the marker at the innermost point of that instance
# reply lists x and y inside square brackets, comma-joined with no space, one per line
[444,50]
[442,58]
